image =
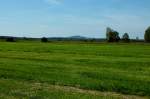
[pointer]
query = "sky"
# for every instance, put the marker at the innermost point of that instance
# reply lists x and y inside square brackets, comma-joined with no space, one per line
[63,18]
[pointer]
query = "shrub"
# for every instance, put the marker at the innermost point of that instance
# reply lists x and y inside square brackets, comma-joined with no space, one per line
[44,39]
[10,39]
[147,35]
[126,37]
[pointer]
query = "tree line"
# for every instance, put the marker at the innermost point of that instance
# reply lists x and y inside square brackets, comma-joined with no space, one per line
[113,36]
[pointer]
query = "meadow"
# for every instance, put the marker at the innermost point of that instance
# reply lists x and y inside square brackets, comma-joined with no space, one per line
[35,70]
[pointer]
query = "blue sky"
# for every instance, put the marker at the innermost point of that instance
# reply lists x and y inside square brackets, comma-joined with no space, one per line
[51,18]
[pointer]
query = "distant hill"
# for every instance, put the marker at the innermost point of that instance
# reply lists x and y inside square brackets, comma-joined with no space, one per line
[78,37]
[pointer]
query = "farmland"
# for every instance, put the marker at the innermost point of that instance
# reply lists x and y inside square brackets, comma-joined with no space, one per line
[74,70]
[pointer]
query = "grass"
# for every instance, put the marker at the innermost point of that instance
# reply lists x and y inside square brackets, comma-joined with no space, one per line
[121,68]
[26,90]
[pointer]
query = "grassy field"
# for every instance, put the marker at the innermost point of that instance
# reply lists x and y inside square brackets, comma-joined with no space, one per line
[74,71]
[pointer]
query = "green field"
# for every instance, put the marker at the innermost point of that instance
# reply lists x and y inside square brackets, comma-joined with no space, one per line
[35,70]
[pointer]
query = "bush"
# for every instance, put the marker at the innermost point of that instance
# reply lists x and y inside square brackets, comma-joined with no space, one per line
[126,37]
[147,35]
[44,40]
[10,39]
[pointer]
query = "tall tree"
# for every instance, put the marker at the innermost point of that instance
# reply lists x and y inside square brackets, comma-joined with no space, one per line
[147,35]
[108,33]
[111,35]
[126,37]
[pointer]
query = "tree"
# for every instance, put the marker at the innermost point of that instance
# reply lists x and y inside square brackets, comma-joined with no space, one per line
[116,36]
[10,39]
[44,39]
[111,35]
[126,37]
[108,33]
[147,35]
